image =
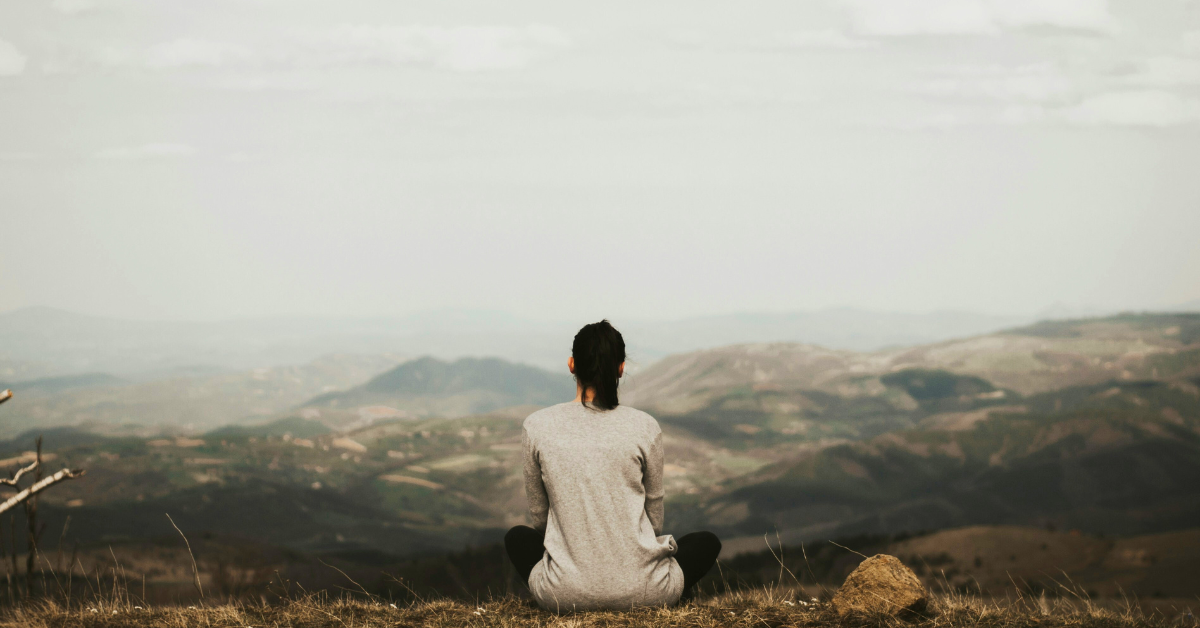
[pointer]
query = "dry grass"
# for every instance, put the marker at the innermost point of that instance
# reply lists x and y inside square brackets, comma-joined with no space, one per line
[771,608]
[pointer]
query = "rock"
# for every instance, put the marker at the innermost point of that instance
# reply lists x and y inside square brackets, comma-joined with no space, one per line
[881,584]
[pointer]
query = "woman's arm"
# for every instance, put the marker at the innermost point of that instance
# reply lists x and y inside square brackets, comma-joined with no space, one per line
[535,490]
[652,481]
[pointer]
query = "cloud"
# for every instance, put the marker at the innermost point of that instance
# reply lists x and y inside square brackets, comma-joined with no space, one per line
[975,17]
[935,120]
[460,48]
[823,39]
[1191,42]
[12,62]
[919,17]
[1146,108]
[188,52]
[258,82]
[73,7]
[1020,114]
[1083,15]
[1167,71]
[828,38]
[146,151]
[1031,83]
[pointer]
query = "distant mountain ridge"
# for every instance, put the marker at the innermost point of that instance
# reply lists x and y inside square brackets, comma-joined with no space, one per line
[42,342]
[51,385]
[840,328]
[1029,359]
[110,405]
[428,386]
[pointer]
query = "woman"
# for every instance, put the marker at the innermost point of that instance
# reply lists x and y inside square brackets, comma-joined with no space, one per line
[593,475]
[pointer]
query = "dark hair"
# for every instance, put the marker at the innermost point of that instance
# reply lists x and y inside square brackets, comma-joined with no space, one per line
[599,351]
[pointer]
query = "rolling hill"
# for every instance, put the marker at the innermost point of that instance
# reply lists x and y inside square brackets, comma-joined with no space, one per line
[1092,424]
[1044,356]
[431,387]
[1119,458]
[195,403]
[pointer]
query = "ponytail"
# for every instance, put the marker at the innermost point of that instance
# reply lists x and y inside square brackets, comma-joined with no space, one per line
[598,351]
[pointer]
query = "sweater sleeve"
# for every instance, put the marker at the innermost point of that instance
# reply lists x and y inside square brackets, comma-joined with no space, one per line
[535,490]
[652,481]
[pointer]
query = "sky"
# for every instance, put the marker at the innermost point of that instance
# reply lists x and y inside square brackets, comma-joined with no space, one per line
[171,159]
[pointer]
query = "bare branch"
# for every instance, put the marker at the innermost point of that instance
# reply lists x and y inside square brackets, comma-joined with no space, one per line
[5,396]
[16,478]
[41,485]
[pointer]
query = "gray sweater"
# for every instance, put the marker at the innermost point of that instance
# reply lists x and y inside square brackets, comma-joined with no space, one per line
[594,482]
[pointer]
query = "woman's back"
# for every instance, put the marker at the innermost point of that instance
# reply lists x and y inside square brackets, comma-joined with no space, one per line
[594,483]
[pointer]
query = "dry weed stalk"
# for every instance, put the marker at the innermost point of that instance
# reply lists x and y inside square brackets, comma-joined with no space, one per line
[195,569]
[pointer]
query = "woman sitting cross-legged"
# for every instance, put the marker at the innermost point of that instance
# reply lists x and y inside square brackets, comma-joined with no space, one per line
[594,479]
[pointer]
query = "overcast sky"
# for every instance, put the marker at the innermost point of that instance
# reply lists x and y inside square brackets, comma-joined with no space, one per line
[234,158]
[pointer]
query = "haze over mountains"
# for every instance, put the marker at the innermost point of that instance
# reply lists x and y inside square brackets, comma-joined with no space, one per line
[44,342]
[73,369]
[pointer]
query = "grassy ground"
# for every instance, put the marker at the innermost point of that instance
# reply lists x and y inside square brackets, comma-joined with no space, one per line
[771,608]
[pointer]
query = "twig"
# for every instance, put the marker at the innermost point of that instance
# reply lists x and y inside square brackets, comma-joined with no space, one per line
[53,573]
[63,535]
[65,474]
[16,478]
[368,593]
[83,570]
[779,559]
[5,396]
[195,570]
[416,595]
[816,581]
[850,550]
[116,580]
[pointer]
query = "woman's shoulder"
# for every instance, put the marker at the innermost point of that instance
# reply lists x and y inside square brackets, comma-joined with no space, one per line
[537,415]
[642,417]
[546,415]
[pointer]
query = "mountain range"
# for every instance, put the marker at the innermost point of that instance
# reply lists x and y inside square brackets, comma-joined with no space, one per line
[41,342]
[1091,424]
[431,387]
[1087,424]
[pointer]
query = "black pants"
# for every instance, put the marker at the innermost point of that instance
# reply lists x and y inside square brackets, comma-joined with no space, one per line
[697,553]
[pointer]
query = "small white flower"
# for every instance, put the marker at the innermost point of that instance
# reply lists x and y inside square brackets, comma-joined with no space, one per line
[137,608]
[814,599]
[393,606]
[789,603]
[114,612]
[478,613]
[192,608]
[93,610]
